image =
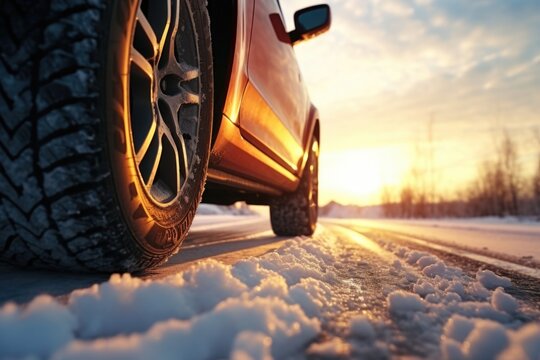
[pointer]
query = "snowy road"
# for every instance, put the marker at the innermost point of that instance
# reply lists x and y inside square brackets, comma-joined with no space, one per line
[356,289]
[224,238]
[507,240]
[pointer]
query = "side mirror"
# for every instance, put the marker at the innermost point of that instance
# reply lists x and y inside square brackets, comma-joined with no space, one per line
[310,22]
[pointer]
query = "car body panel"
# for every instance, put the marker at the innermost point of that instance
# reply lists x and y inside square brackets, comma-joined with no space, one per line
[232,153]
[276,82]
[268,120]
[266,131]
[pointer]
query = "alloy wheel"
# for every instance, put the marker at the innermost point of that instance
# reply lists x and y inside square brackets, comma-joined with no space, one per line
[164,97]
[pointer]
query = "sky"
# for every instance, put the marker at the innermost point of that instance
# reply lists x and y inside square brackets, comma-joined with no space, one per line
[388,71]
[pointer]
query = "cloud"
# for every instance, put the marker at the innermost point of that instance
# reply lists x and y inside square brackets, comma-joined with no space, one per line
[396,8]
[387,66]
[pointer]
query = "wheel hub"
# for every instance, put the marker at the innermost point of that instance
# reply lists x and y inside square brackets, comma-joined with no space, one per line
[170,85]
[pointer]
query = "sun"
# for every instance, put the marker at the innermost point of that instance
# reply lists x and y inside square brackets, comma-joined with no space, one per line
[356,176]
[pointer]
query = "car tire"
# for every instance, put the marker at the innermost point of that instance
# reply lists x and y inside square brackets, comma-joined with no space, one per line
[296,213]
[97,171]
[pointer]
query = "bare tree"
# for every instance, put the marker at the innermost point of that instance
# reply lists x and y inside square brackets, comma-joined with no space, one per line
[499,188]
[389,202]
[406,197]
[511,171]
[432,195]
[536,178]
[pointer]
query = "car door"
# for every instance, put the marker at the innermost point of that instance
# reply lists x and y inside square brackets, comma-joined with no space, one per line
[275,103]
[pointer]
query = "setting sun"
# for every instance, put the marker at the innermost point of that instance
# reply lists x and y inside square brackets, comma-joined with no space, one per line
[356,176]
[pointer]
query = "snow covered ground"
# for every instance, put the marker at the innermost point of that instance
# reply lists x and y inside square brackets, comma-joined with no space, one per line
[239,208]
[511,239]
[338,294]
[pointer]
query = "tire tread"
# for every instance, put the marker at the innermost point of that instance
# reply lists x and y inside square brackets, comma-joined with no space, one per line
[55,210]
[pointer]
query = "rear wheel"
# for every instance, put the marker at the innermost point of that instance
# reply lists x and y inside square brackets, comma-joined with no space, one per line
[105,128]
[296,213]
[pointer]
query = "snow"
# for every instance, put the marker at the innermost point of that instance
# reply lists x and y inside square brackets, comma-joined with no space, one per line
[113,303]
[319,297]
[426,260]
[508,238]
[38,318]
[524,343]
[251,346]
[360,326]
[258,308]
[478,322]
[503,301]
[222,222]
[486,340]
[210,335]
[490,280]
[458,328]
[335,347]
[236,209]
[401,302]
[423,288]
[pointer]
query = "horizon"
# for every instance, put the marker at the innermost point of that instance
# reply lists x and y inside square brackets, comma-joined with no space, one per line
[388,72]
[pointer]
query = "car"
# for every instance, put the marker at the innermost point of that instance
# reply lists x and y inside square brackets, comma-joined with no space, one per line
[119,116]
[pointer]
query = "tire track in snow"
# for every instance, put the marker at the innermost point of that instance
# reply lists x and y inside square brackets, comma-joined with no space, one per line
[420,335]
[526,282]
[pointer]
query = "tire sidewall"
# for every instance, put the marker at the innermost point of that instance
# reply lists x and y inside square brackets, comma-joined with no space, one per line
[156,229]
[314,180]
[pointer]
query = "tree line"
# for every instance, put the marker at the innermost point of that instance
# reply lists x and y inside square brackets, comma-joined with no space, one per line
[499,188]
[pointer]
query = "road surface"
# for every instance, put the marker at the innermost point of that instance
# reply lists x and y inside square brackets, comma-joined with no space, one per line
[395,275]
[232,238]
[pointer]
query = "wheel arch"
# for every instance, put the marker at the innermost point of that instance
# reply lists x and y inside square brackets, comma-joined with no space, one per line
[312,131]
[223,27]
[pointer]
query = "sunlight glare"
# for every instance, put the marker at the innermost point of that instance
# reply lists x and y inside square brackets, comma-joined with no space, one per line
[357,175]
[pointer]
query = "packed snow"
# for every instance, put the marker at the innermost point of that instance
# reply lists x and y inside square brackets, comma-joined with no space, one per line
[239,208]
[506,238]
[304,299]
[490,280]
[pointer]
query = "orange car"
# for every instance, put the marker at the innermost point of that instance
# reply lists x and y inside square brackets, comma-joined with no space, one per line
[114,114]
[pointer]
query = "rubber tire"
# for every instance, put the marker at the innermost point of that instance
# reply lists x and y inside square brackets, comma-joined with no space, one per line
[290,214]
[69,196]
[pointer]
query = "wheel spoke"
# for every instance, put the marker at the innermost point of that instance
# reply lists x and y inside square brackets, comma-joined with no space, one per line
[188,72]
[148,31]
[144,65]
[168,106]
[174,127]
[167,45]
[155,166]
[180,159]
[146,143]
[164,35]
[187,97]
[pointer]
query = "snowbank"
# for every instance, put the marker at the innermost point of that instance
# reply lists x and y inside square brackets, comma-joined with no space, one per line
[270,322]
[258,308]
